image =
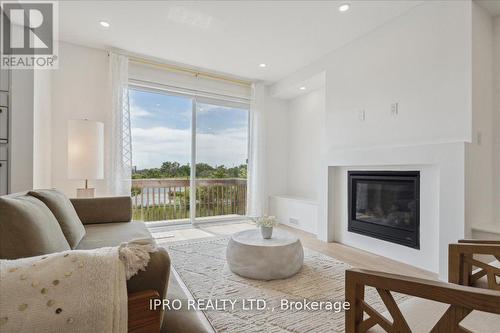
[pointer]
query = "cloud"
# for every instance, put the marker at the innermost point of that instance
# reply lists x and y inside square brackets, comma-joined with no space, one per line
[152,146]
[206,108]
[137,111]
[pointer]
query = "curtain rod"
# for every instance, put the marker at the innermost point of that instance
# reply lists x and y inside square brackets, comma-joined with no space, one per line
[195,73]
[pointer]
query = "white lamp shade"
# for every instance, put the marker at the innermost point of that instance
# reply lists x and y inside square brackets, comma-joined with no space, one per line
[85,149]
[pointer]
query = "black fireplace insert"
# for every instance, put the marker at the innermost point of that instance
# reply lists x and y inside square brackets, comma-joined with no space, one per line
[385,205]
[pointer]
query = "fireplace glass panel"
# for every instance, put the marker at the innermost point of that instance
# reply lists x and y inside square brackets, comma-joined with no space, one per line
[386,203]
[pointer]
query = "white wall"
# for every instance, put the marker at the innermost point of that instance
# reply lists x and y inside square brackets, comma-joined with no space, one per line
[31,137]
[276,145]
[420,60]
[297,204]
[42,103]
[272,142]
[295,212]
[306,139]
[21,120]
[496,117]
[79,91]
[42,129]
[30,126]
[479,153]
[21,134]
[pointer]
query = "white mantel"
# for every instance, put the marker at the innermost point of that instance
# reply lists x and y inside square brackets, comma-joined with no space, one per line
[442,205]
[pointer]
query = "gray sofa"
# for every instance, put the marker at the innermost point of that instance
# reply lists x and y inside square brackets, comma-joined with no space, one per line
[45,221]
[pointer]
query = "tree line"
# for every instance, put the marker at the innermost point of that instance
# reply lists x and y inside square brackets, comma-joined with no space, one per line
[203,170]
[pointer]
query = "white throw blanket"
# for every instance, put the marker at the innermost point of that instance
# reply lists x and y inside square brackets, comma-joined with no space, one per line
[73,291]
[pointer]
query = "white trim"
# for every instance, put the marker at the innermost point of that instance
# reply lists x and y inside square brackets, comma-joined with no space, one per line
[192,176]
[297,198]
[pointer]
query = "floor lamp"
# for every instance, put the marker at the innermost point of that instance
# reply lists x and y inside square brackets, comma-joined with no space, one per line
[85,154]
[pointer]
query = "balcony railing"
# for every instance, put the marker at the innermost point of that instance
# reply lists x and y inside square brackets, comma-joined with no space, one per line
[168,199]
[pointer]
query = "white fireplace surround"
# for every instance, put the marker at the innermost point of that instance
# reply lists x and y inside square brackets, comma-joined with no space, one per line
[442,199]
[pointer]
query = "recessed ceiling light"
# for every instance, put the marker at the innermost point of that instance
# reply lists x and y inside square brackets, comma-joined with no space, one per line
[104,24]
[262,65]
[344,7]
[302,88]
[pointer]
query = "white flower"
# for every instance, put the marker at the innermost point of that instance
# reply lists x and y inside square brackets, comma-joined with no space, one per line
[266,221]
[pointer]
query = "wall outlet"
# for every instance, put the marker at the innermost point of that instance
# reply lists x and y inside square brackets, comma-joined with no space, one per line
[394,109]
[362,115]
[293,220]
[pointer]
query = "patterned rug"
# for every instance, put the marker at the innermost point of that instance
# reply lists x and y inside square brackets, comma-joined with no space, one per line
[203,268]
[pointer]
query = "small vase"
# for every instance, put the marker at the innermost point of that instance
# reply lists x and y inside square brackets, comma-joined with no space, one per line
[266,232]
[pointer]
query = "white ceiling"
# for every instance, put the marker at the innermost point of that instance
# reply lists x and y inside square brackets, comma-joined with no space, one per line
[231,37]
[492,6]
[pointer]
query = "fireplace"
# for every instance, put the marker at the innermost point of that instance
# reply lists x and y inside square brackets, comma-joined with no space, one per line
[385,205]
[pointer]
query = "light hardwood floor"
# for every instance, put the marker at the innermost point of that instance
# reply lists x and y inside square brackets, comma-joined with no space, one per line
[352,256]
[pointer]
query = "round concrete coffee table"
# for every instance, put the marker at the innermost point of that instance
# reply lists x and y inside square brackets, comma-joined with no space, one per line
[251,256]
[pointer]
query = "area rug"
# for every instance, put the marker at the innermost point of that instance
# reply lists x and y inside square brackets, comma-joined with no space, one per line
[203,268]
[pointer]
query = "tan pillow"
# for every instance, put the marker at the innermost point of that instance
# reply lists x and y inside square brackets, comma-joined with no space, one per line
[71,225]
[28,228]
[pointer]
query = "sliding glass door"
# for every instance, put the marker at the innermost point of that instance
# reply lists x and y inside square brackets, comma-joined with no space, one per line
[221,158]
[187,151]
[161,154]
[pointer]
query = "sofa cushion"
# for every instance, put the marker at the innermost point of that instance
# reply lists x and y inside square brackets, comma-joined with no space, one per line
[422,314]
[103,209]
[112,234]
[28,228]
[64,212]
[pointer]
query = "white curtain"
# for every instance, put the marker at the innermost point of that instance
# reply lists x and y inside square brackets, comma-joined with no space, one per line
[257,192]
[119,155]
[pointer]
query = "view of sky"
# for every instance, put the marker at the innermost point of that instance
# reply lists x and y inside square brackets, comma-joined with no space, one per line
[161,131]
